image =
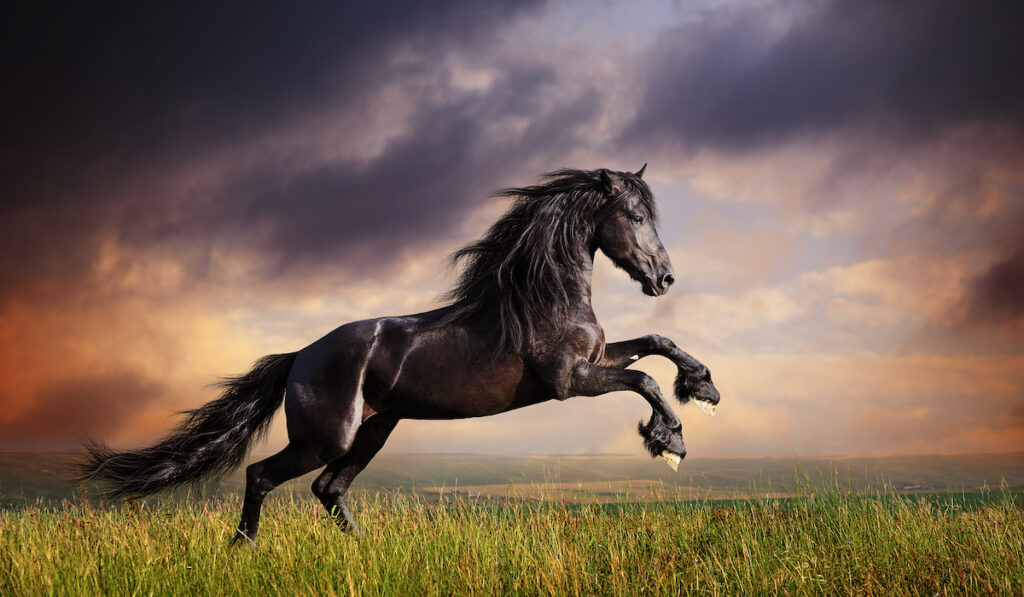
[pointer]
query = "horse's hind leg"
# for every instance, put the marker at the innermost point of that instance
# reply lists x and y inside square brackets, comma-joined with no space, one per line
[323,406]
[263,476]
[332,484]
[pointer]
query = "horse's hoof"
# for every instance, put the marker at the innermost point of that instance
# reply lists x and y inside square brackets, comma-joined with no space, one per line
[706,407]
[241,538]
[700,390]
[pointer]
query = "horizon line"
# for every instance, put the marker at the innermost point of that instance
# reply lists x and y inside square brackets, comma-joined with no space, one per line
[793,455]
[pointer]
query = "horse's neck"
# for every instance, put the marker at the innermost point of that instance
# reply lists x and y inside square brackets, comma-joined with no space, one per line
[586,277]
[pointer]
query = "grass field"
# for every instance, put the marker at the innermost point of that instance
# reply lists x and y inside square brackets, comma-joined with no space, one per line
[828,535]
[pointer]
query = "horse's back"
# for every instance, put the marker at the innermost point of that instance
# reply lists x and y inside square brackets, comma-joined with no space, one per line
[414,366]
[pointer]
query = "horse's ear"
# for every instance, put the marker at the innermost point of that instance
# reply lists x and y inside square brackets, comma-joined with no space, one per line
[609,185]
[640,172]
[606,182]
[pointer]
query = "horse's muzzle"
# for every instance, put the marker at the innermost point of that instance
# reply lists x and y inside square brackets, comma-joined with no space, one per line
[665,280]
[658,286]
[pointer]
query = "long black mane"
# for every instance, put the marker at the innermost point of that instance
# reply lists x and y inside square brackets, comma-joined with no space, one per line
[530,267]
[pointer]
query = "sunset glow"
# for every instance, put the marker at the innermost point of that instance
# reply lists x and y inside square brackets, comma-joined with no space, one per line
[841,187]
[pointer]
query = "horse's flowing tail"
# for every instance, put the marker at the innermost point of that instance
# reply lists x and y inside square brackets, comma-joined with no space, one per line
[212,441]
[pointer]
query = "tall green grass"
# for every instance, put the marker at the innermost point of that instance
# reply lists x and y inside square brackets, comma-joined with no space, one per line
[824,541]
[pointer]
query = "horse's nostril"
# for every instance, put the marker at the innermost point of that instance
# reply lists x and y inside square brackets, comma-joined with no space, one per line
[667,280]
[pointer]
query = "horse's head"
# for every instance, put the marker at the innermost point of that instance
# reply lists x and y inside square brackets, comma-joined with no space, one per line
[626,233]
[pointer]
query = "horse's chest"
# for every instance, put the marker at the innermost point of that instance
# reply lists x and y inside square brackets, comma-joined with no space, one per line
[590,343]
[596,353]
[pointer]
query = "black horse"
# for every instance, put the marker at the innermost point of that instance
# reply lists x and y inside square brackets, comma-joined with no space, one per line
[519,330]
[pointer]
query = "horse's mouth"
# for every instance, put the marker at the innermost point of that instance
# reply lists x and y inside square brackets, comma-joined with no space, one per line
[649,288]
[646,283]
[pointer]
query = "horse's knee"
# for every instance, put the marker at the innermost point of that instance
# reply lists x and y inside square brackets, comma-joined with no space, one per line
[332,484]
[660,343]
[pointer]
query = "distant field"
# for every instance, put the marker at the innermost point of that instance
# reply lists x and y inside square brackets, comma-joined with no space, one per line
[529,525]
[28,477]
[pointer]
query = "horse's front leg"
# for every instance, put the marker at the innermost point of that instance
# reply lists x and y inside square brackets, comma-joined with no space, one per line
[693,379]
[663,433]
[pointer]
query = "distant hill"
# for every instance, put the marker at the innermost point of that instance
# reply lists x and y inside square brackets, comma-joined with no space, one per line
[27,477]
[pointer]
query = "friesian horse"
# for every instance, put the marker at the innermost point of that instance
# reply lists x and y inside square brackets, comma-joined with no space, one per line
[519,329]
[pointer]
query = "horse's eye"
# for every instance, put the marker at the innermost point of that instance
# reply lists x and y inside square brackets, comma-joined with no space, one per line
[636,219]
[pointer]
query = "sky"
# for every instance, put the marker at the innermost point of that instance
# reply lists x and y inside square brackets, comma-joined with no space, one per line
[184,189]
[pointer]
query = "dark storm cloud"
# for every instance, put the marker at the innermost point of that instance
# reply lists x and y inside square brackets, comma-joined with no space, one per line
[76,408]
[1016,418]
[357,215]
[140,77]
[998,293]
[100,100]
[349,214]
[908,69]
